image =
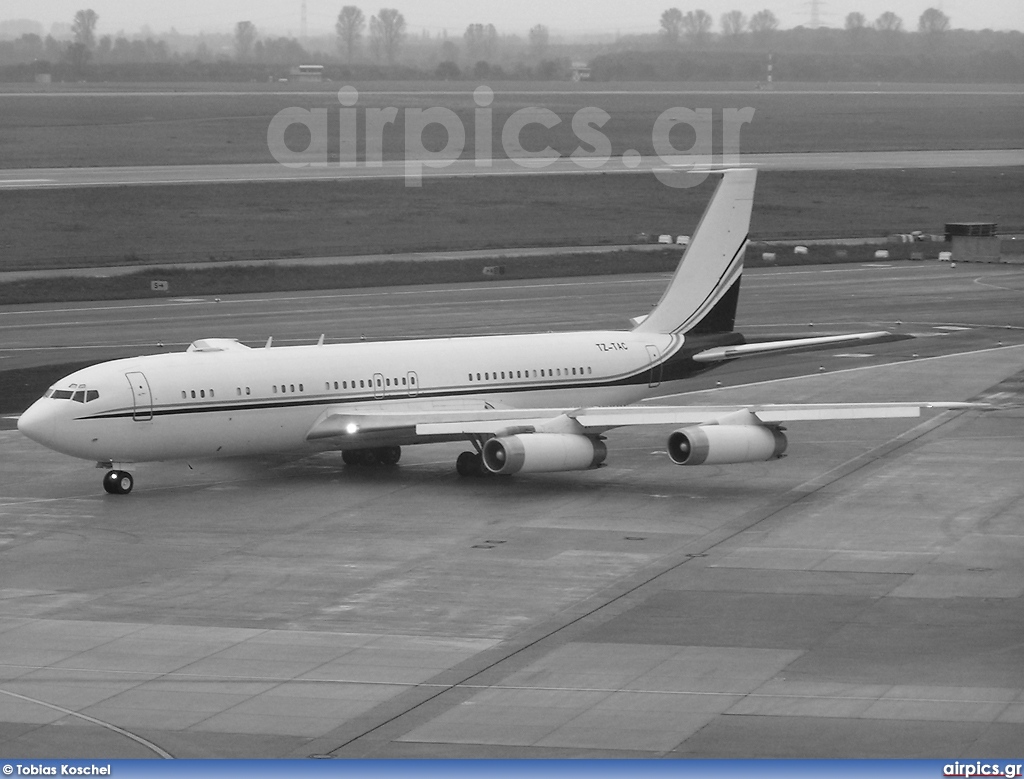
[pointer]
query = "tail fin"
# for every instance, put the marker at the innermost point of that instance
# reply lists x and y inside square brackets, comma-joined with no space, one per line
[703,293]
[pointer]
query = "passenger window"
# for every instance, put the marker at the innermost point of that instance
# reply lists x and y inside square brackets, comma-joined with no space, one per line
[403,381]
[389,382]
[202,393]
[478,377]
[275,391]
[291,388]
[211,393]
[247,390]
[184,394]
[361,384]
[193,393]
[301,389]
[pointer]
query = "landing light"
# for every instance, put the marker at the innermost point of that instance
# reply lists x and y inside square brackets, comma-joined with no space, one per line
[351,428]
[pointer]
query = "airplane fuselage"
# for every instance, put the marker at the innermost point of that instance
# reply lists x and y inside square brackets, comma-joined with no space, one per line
[221,398]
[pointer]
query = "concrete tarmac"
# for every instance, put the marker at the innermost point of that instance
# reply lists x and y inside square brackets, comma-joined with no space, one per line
[861,597]
[54,178]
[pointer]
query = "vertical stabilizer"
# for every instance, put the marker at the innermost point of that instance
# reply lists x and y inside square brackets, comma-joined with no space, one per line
[703,293]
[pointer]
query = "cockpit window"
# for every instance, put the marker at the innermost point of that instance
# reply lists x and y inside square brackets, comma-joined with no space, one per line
[80,395]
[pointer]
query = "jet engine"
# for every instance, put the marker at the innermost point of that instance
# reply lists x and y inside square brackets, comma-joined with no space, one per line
[543,452]
[712,444]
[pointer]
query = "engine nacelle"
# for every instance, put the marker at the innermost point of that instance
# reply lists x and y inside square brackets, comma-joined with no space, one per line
[543,452]
[712,444]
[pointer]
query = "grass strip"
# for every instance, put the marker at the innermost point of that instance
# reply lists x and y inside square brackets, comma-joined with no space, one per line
[256,279]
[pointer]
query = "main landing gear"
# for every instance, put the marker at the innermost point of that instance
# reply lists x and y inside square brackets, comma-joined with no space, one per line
[470,464]
[118,482]
[382,455]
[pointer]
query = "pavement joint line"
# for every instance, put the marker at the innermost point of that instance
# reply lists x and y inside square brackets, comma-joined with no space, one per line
[21,501]
[121,731]
[175,676]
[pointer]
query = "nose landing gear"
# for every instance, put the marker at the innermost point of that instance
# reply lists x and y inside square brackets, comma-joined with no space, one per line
[118,482]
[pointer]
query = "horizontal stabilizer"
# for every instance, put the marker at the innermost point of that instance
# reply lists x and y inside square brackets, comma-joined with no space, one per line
[720,353]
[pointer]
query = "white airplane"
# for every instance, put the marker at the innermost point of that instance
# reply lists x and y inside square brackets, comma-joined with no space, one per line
[526,403]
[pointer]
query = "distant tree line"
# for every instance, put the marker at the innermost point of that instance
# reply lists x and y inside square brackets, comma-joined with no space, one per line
[893,67]
[682,46]
[687,48]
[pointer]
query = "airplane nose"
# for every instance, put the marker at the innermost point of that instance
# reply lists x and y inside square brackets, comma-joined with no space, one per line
[37,423]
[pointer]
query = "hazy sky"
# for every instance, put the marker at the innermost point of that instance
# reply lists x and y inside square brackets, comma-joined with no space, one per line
[625,16]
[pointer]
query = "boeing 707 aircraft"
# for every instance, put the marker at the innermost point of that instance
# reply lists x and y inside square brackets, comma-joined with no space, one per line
[526,403]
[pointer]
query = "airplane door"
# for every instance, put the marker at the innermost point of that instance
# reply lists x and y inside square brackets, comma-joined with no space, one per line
[414,383]
[653,354]
[141,397]
[378,385]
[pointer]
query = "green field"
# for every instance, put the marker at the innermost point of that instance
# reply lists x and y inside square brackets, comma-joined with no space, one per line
[119,127]
[208,223]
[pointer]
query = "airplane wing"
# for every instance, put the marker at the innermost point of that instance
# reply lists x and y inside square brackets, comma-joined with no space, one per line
[342,421]
[599,419]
